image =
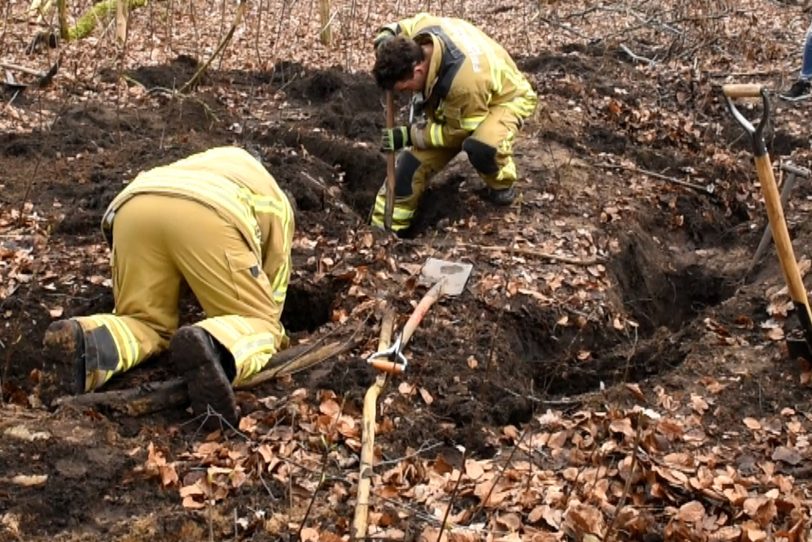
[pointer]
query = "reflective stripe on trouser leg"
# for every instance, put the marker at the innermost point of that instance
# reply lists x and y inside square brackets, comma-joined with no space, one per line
[251,341]
[414,169]
[490,148]
[111,347]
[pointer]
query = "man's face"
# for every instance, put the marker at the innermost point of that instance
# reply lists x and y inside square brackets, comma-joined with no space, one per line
[415,83]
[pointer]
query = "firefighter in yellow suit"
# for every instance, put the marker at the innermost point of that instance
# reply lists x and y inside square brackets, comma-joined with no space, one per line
[218,221]
[475,97]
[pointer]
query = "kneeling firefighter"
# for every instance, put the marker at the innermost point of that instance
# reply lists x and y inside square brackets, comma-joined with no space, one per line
[218,221]
[475,99]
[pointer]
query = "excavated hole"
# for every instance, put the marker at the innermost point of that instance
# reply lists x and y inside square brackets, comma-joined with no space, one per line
[360,169]
[662,298]
[309,306]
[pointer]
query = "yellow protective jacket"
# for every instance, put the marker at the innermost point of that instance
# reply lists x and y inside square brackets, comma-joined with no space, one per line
[240,189]
[469,74]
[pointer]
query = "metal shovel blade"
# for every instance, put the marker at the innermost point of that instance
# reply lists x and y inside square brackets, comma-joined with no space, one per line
[454,275]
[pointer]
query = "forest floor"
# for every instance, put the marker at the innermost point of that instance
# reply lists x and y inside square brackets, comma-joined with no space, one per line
[613,370]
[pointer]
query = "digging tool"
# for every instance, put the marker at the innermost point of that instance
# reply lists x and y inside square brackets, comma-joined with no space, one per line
[390,165]
[448,278]
[798,347]
[792,172]
[359,524]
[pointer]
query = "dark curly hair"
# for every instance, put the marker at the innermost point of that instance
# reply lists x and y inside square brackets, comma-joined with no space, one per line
[395,61]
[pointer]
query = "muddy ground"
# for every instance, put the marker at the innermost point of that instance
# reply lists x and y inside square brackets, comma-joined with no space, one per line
[645,284]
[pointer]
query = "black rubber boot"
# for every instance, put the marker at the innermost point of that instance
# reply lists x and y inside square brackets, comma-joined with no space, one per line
[800,90]
[64,343]
[198,360]
[502,197]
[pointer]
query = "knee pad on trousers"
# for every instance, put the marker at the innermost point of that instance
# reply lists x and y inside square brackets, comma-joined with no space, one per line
[404,175]
[481,155]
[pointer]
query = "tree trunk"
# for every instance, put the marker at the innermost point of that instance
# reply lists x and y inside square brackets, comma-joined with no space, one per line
[99,12]
[121,22]
[326,34]
[62,12]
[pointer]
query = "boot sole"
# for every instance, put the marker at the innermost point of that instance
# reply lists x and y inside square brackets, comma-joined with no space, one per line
[205,379]
[63,346]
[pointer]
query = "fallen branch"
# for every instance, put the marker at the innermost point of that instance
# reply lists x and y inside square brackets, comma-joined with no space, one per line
[301,360]
[512,249]
[705,189]
[155,396]
[22,69]
[43,77]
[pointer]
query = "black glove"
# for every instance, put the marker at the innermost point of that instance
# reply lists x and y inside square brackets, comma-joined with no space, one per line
[393,139]
[383,36]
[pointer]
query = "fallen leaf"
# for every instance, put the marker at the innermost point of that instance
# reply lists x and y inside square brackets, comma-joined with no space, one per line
[636,391]
[691,512]
[405,388]
[790,456]
[29,479]
[752,423]
[191,503]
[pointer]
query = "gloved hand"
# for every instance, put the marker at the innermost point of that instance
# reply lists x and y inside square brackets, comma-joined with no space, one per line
[396,138]
[383,36]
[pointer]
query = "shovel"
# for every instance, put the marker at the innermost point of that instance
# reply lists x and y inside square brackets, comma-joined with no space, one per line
[799,347]
[448,278]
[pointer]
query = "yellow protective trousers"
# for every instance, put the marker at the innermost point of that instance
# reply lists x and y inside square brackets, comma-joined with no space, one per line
[489,149]
[160,241]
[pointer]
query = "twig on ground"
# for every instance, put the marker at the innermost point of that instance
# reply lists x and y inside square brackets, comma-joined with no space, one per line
[704,189]
[322,475]
[501,473]
[610,529]
[524,251]
[453,497]
[425,447]
[637,57]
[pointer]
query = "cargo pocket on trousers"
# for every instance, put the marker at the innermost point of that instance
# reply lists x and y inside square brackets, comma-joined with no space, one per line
[246,275]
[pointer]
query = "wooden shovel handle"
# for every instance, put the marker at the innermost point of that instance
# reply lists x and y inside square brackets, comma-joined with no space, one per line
[745,90]
[390,165]
[783,245]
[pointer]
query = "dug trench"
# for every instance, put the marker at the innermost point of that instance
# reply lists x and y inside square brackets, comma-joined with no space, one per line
[523,340]
[485,364]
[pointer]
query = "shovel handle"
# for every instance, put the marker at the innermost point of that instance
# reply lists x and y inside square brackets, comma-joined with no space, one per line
[389,207]
[421,309]
[783,244]
[742,90]
[756,133]
[387,366]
